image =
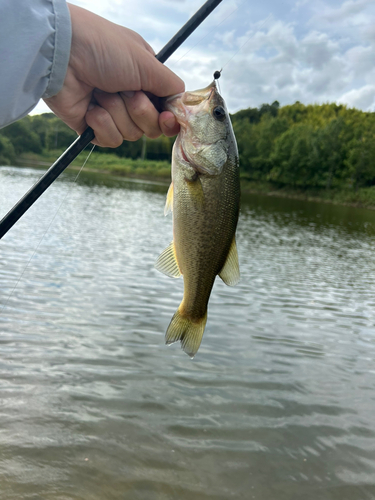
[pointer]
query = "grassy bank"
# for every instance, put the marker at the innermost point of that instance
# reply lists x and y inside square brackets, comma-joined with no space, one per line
[111,164]
[362,197]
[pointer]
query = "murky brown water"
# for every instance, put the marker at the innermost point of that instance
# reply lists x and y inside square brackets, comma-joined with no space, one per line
[279,403]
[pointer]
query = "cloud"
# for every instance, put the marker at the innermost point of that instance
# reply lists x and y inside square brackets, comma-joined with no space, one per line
[362,98]
[313,52]
[362,60]
[350,11]
[318,50]
[277,65]
[368,33]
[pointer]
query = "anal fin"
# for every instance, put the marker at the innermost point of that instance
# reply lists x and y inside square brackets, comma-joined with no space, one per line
[230,273]
[167,262]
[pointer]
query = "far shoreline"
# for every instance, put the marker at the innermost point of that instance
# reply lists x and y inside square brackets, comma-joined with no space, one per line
[159,173]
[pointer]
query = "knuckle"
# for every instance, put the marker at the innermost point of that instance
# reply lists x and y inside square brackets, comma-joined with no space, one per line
[101,122]
[112,101]
[139,107]
[116,142]
[153,134]
[99,117]
[143,108]
[133,135]
[110,142]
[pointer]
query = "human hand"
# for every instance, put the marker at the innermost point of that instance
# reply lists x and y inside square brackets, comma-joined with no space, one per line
[109,71]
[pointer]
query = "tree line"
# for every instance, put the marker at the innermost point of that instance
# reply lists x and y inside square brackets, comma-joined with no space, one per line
[46,132]
[303,146]
[315,146]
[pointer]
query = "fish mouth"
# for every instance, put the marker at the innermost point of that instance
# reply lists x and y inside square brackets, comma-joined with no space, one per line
[183,154]
[171,102]
[181,104]
[184,157]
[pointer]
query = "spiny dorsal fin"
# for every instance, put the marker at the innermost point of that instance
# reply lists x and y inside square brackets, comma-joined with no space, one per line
[169,201]
[167,262]
[230,273]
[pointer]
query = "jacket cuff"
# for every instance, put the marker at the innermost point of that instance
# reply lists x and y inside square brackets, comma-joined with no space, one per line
[62,43]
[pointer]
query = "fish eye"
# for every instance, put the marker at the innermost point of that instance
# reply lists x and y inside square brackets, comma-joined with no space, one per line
[219,113]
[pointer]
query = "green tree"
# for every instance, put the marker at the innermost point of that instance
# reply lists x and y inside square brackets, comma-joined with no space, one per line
[292,156]
[360,164]
[22,136]
[41,125]
[7,153]
[58,135]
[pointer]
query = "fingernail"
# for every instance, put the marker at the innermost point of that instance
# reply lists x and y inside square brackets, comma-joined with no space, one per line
[129,93]
[170,123]
[90,106]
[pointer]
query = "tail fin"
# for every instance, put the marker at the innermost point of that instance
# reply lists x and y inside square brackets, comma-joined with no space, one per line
[190,333]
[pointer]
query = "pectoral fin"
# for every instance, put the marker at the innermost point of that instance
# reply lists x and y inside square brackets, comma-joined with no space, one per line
[230,273]
[167,262]
[169,201]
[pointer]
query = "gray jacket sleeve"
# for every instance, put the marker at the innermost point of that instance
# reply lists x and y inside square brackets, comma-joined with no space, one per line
[35,37]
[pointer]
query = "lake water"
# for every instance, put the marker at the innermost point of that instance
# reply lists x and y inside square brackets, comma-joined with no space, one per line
[279,402]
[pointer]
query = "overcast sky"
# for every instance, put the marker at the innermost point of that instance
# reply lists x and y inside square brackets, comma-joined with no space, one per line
[285,50]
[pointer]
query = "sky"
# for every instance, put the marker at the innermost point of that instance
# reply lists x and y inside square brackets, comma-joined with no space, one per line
[285,50]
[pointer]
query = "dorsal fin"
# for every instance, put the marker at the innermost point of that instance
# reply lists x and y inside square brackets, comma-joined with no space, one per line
[167,262]
[230,273]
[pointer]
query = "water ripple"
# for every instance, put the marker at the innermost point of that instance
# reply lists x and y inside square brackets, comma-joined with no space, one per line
[279,401]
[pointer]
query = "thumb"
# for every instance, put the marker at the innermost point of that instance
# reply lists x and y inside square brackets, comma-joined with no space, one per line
[158,79]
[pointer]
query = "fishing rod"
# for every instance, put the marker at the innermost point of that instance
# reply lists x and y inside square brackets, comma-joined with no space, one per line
[88,135]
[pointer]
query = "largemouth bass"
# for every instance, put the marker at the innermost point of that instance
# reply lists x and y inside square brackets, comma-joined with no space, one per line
[204,197]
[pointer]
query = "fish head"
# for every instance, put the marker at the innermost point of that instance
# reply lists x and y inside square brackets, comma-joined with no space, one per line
[205,129]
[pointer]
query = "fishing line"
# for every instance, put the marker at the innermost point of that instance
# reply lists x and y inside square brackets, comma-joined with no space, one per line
[240,48]
[247,40]
[212,29]
[44,234]
[218,84]
[88,156]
